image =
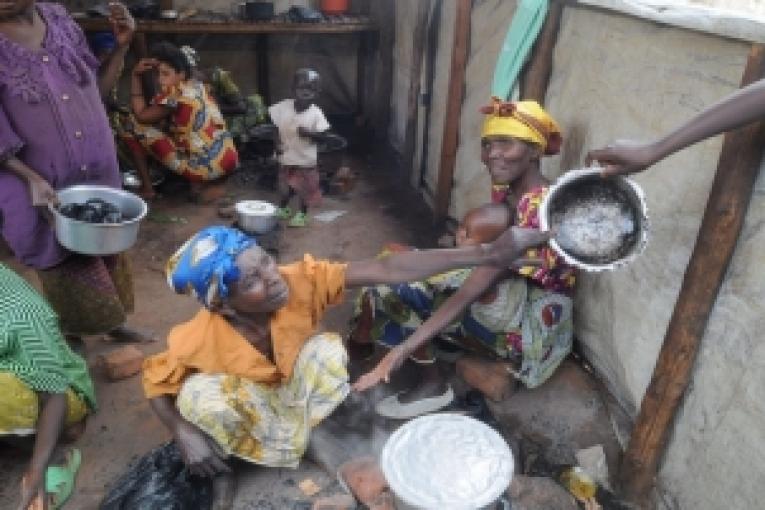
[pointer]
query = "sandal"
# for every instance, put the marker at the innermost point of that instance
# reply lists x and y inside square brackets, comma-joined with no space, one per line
[59,480]
[284,213]
[392,407]
[300,220]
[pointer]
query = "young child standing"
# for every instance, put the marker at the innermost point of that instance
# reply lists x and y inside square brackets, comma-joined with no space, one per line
[300,124]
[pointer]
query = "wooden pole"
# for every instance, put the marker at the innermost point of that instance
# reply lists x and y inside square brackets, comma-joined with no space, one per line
[413,100]
[453,107]
[729,197]
[537,74]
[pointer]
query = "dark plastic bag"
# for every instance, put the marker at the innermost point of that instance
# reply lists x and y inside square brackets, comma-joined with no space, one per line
[159,481]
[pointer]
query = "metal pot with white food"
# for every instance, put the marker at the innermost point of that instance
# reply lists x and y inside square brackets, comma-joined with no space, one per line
[255,216]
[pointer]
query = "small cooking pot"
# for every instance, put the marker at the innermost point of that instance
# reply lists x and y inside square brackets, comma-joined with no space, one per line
[258,11]
[255,216]
[99,238]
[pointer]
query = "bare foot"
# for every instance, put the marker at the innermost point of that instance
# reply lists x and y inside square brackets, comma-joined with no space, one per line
[125,334]
[492,378]
[224,490]
[364,478]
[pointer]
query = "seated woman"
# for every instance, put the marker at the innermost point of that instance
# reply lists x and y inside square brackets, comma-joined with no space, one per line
[388,314]
[182,127]
[514,137]
[250,375]
[44,389]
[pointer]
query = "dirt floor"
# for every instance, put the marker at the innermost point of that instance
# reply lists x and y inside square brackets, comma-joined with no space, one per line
[375,211]
[545,427]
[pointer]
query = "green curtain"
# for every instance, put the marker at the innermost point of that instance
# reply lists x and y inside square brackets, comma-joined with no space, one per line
[524,29]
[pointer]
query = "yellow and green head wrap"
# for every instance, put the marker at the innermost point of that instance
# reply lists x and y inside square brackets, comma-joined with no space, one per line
[524,120]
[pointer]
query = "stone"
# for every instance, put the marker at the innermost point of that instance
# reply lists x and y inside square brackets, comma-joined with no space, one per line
[554,421]
[336,502]
[122,363]
[536,493]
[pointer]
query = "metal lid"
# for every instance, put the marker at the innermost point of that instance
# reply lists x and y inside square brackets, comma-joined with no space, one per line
[447,462]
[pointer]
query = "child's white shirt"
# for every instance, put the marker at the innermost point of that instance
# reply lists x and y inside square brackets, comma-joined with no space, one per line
[297,150]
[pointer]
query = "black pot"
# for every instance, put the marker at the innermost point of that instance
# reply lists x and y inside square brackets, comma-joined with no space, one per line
[258,11]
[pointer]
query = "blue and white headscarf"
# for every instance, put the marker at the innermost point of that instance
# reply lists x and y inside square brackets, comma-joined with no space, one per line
[206,264]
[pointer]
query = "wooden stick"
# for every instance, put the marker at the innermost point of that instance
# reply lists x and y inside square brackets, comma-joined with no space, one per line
[537,74]
[413,99]
[724,216]
[453,108]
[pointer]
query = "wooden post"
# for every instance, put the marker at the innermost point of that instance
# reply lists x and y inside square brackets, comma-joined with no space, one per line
[537,74]
[453,108]
[726,207]
[413,100]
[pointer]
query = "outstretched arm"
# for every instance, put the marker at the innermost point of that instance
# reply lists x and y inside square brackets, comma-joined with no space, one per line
[49,428]
[415,265]
[479,281]
[123,27]
[740,108]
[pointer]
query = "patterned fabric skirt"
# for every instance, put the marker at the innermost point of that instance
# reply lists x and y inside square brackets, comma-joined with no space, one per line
[523,322]
[20,407]
[305,181]
[216,161]
[269,424]
[91,295]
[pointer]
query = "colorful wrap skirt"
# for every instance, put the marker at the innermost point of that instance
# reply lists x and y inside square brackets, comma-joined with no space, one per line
[267,424]
[217,159]
[20,407]
[90,295]
[523,323]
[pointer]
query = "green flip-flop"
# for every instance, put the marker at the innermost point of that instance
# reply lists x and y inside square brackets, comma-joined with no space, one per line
[59,480]
[284,213]
[299,220]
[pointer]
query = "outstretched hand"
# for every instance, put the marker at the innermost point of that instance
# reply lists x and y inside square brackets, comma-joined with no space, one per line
[624,157]
[514,242]
[381,373]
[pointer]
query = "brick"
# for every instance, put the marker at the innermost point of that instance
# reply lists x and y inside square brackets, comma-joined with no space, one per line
[336,502]
[122,363]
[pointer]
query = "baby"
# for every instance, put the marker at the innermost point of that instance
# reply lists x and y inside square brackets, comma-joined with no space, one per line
[300,124]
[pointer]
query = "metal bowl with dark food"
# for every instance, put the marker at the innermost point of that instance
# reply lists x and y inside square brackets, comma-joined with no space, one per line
[97,220]
[599,223]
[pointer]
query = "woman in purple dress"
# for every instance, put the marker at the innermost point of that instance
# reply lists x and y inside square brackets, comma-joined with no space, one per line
[54,133]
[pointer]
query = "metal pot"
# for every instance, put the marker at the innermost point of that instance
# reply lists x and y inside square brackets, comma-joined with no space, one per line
[255,216]
[611,241]
[99,238]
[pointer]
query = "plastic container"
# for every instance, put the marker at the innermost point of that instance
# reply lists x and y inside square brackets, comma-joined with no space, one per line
[334,6]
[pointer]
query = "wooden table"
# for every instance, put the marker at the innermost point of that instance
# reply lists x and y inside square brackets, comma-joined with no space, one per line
[364,28]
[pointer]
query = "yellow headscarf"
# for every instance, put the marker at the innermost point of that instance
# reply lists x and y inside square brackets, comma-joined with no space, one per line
[524,120]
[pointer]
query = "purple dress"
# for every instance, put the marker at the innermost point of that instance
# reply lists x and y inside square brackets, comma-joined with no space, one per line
[52,119]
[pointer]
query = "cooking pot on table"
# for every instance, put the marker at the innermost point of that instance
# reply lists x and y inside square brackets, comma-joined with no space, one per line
[99,238]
